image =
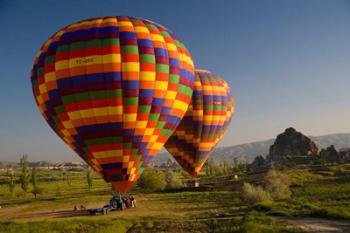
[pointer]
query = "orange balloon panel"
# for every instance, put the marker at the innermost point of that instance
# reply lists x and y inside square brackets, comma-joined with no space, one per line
[114,89]
[204,124]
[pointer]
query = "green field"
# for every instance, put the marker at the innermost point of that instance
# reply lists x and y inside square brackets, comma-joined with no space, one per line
[317,191]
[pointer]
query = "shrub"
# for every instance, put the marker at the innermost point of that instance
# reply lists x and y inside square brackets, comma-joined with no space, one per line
[341,171]
[277,184]
[264,206]
[37,191]
[173,180]
[329,213]
[152,180]
[252,194]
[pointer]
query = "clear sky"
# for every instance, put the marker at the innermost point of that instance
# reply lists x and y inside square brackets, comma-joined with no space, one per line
[287,62]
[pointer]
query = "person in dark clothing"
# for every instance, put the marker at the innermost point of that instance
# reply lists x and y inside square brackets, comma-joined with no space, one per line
[117,201]
[133,201]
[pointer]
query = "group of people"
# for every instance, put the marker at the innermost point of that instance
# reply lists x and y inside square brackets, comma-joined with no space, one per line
[121,202]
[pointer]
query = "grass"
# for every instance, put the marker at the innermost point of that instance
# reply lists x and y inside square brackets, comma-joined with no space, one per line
[69,226]
[253,223]
[317,191]
[53,183]
[257,222]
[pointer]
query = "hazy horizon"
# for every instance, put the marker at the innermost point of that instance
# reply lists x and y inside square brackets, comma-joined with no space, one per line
[286,62]
[72,157]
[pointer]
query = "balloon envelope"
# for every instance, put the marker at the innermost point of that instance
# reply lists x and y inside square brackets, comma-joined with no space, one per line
[114,89]
[204,124]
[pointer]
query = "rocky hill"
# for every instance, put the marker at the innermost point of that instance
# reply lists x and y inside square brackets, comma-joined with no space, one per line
[292,146]
[247,152]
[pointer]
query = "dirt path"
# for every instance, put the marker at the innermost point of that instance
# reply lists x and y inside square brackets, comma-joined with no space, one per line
[29,212]
[318,225]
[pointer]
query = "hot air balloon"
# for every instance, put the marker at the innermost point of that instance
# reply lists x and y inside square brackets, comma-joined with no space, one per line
[114,89]
[204,123]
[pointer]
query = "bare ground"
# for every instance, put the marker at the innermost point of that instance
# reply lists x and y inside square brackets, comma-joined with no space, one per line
[318,225]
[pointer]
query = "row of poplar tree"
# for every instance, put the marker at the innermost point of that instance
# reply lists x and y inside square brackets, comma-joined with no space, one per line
[29,176]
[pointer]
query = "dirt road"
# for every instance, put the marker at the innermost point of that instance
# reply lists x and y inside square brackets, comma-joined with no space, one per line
[318,225]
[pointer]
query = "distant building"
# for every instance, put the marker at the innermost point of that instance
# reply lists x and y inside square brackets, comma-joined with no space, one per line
[70,166]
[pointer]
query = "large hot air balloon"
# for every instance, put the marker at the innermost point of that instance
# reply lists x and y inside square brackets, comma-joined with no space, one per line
[114,89]
[204,124]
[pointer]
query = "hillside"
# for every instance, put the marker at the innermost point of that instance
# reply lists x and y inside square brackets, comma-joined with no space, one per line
[338,140]
[247,152]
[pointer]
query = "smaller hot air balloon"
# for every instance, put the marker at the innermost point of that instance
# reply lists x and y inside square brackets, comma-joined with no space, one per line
[204,123]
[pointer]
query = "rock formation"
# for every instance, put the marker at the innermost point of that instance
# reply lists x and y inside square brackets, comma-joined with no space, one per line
[330,155]
[292,147]
[258,165]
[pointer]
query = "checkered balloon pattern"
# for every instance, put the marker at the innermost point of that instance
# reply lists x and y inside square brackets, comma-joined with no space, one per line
[114,89]
[204,124]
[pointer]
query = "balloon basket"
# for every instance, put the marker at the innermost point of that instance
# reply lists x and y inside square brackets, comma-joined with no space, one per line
[194,183]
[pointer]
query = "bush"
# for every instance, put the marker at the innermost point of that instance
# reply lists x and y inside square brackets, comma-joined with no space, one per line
[264,206]
[329,213]
[341,171]
[213,169]
[252,194]
[277,184]
[152,180]
[173,180]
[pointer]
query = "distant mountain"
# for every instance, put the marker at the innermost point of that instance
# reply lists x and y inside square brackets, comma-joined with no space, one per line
[339,141]
[247,152]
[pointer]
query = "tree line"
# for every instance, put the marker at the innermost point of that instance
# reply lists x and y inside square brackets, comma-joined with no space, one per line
[29,176]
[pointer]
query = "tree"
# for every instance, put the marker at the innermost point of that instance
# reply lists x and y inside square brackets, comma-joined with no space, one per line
[242,167]
[64,176]
[11,182]
[36,190]
[152,180]
[225,168]
[209,169]
[34,177]
[235,166]
[69,179]
[217,169]
[172,180]
[24,178]
[89,178]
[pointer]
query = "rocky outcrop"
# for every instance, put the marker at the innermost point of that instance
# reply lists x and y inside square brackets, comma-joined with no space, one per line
[292,147]
[344,154]
[330,155]
[258,165]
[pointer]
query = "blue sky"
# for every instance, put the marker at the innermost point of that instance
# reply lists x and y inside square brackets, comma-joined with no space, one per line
[287,63]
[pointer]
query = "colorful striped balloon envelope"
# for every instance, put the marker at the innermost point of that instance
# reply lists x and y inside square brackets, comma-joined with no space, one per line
[204,124]
[114,89]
